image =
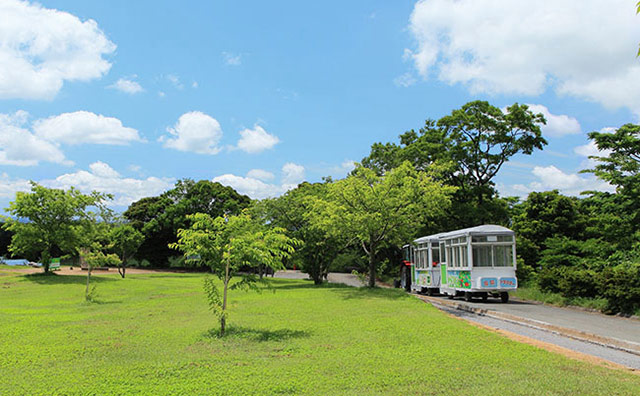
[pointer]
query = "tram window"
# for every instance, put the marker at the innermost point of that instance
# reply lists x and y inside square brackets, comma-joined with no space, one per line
[436,255]
[505,238]
[479,238]
[456,255]
[449,257]
[482,256]
[464,256]
[503,256]
[442,255]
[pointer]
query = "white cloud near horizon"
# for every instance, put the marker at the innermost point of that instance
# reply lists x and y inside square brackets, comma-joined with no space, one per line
[20,147]
[585,49]
[291,175]
[551,178]
[194,132]
[102,177]
[256,140]
[84,127]
[41,48]
[261,174]
[127,85]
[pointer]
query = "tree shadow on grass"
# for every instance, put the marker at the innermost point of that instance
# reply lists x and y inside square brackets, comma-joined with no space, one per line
[55,279]
[256,335]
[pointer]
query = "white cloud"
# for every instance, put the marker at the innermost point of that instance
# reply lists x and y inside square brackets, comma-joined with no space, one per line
[232,59]
[405,80]
[583,48]
[9,187]
[551,178]
[101,177]
[195,132]
[260,174]
[292,175]
[194,84]
[126,85]
[256,140]
[83,127]
[557,125]
[20,147]
[42,48]
[590,149]
[175,81]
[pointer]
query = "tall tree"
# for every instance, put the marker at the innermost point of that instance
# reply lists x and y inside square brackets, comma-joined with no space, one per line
[375,211]
[471,144]
[159,218]
[228,243]
[46,220]
[318,249]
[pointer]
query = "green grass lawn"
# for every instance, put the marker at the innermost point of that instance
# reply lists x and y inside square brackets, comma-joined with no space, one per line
[152,335]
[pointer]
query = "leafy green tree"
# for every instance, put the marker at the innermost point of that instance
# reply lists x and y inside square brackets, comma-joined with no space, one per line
[46,220]
[318,249]
[159,218]
[542,216]
[471,144]
[125,240]
[228,243]
[373,211]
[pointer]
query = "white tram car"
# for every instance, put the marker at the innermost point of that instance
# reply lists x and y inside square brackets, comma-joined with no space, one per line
[472,262]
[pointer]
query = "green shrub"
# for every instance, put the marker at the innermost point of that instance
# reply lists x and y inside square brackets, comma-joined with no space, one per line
[620,285]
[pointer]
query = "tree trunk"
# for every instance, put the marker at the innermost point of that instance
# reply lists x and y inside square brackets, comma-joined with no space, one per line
[372,268]
[121,268]
[223,318]
[86,291]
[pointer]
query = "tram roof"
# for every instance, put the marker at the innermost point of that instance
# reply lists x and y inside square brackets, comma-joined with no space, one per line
[479,230]
[429,238]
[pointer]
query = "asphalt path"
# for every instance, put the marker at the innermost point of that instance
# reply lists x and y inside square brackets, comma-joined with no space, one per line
[626,329]
[588,348]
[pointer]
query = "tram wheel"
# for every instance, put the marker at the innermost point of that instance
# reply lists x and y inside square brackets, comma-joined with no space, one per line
[450,296]
[430,292]
[504,297]
[485,296]
[468,296]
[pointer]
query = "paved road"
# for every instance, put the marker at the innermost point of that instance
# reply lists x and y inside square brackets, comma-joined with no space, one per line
[333,277]
[613,355]
[626,329]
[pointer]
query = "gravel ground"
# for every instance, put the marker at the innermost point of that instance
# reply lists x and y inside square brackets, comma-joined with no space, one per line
[612,355]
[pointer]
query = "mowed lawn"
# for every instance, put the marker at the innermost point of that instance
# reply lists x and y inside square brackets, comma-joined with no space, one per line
[153,335]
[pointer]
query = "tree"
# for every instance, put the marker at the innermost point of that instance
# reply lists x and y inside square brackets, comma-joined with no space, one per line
[471,145]
[318,248]
[45,221]
[374,211]
[159,218]
[228,243]
[125,241]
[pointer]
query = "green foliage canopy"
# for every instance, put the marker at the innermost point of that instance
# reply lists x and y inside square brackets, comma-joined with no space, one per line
[48,220]
[373,211]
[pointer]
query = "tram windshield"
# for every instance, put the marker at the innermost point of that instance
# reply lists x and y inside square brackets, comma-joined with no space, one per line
[492,250]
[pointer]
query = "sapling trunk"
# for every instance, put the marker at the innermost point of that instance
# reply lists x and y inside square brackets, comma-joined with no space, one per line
[86,291]
[223,319]
[372,268]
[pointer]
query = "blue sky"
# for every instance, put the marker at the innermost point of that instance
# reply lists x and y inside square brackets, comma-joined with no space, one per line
[127,97]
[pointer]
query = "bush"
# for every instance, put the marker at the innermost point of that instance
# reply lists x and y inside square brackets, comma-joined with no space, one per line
[576,282]
[620,285]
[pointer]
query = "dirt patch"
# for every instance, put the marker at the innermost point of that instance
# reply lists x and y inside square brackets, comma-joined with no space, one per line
[79,271]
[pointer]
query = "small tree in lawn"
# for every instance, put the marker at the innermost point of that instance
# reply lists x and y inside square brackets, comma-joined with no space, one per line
[228,243]
[95,258]
[46,220]
[376,211]
[125,240]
